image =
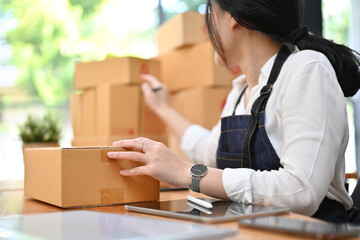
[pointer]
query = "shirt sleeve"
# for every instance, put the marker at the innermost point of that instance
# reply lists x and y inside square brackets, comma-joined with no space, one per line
[200,144]
[313,116]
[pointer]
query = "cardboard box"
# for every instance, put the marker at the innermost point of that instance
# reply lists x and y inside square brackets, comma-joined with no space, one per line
[193,67]
[89,112]
[75,177]
[150,124]
[83,112]
[184,29]
[76,108]
[201,106]
[108,140]
[118,110]
[124,70]
[122,110]
[113,109]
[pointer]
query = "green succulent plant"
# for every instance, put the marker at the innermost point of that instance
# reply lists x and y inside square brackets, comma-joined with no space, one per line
[40,130]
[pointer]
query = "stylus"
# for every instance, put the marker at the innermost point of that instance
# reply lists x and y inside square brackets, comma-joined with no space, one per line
[198,207]
[199,201]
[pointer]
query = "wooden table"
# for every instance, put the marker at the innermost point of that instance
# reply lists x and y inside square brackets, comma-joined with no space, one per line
[13,201]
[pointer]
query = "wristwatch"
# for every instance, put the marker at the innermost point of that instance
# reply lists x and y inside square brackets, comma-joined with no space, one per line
[197,172]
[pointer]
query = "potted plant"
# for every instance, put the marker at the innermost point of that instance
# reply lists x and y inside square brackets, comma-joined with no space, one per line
[40,132]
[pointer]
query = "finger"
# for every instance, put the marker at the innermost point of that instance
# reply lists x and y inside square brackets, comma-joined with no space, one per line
[134,144]
[134,171]
[153,81]
[133,156]
[146,89]
[128,143]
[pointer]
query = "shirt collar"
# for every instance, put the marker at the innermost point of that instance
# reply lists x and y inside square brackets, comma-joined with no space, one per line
[239,83]
[266,70]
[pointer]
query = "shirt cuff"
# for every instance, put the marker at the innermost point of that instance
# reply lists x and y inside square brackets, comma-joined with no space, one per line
[237,184]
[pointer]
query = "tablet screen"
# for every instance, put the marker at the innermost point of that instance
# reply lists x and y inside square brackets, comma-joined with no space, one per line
[302,227]
[92,225]
[222,210]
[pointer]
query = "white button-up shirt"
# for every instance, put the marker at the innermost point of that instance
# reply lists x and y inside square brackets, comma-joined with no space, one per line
[306,122]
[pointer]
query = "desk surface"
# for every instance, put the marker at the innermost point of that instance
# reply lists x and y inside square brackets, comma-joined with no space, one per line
[13,201]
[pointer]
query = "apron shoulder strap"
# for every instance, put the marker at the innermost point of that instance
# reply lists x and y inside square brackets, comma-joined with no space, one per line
[265,92]
[239,99]
[260,103]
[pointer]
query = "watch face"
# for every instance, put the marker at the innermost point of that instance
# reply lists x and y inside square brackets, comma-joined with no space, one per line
[199,170]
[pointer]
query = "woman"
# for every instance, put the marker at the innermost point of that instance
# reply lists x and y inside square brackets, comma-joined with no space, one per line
[284,127]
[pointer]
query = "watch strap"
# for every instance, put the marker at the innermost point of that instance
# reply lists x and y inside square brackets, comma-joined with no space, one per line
[195,184]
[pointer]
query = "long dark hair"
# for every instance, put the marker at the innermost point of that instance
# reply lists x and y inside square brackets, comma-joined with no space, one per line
[282,21]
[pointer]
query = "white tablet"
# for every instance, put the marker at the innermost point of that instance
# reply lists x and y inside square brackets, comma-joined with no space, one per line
[98,225]
[222,211]
[304,228]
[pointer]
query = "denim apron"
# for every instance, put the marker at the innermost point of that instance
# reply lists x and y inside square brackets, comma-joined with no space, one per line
[244,142]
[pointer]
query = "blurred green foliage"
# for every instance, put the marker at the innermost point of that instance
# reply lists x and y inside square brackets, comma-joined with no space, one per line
[191,5]
[336,26]
[49,36]
[44,68]
[40,130]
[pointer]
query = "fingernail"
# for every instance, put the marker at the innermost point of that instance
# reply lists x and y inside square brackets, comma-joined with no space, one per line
[122,172]
[111,154]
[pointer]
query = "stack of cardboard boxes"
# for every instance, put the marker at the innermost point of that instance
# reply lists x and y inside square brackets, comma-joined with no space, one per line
[198,87]
[109,105]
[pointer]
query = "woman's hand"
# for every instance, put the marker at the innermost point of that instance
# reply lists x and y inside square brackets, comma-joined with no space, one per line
[159,161]
[156,95]
[157,98]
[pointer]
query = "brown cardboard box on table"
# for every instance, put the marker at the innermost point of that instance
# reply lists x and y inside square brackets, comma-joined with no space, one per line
[76,177]
[201,106]
[184,29]
[193,66]
[121,70]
